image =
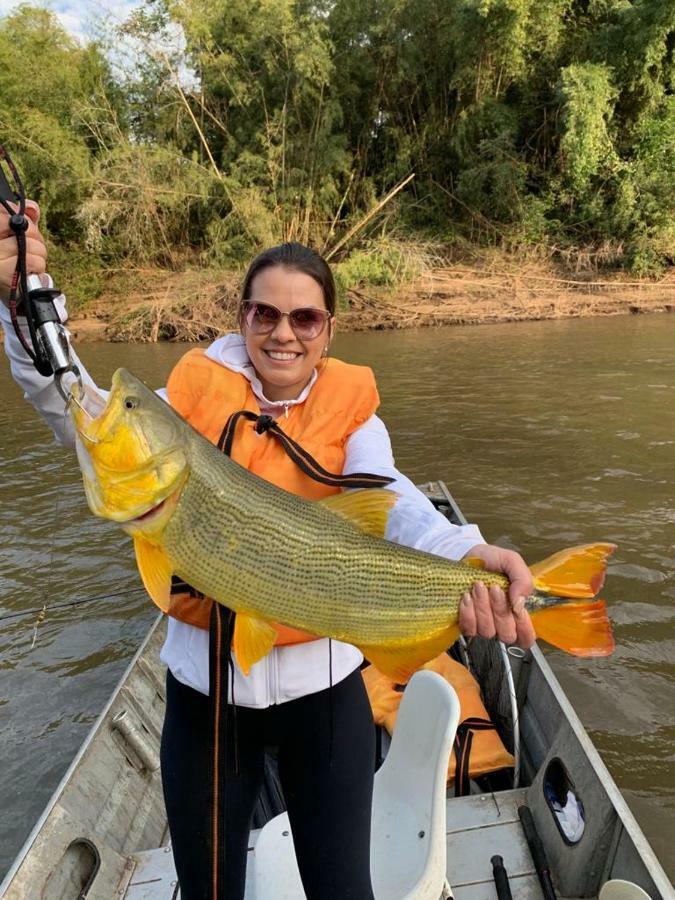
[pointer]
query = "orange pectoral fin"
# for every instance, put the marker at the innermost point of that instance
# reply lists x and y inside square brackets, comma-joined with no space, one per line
[577,572]
[156,570]
[582,629]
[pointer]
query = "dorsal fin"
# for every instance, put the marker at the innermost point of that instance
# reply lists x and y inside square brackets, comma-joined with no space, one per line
[367,509]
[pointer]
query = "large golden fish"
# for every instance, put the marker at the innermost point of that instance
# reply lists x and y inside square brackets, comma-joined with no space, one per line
[275,557]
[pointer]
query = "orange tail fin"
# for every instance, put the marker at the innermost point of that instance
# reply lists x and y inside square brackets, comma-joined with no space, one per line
[577,572]
[582,629]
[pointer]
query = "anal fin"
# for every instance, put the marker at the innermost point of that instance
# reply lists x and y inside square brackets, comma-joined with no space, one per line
[402,661]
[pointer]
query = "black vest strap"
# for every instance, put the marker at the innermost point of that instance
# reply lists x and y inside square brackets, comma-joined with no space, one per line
[220,640]
[178,586]
[463,742]
[304,460]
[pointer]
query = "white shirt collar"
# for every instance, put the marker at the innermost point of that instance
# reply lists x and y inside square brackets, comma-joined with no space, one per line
[230,351]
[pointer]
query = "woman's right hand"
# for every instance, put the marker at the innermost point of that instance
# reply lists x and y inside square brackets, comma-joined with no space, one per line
[36,249]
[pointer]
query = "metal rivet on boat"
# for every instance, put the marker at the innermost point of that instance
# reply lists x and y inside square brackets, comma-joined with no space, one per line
[285,833]
[173,883]
[167,849]
[420,834]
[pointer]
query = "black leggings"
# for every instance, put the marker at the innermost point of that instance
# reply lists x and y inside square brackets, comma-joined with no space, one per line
[326,774]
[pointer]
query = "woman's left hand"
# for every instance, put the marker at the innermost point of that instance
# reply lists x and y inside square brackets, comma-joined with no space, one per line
[488,612]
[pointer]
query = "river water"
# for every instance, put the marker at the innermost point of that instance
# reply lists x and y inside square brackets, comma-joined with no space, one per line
[547,433]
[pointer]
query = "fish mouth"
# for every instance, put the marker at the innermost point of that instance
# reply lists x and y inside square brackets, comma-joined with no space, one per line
[156,516]
[151,512]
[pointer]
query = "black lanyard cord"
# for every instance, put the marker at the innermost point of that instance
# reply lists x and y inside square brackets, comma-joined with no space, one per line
[19,225]
[50,350]
[304,460]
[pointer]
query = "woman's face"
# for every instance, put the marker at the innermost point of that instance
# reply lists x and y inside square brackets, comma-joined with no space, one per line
[284,363]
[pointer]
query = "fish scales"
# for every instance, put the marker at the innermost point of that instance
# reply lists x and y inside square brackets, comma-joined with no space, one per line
[354,585]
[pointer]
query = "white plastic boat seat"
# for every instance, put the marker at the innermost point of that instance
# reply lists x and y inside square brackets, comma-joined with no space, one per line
[618,889]
[408,846]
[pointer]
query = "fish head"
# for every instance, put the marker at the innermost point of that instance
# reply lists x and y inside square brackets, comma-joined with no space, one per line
[133,452]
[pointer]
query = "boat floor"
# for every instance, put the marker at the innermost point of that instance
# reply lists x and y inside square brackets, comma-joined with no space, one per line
[478,827]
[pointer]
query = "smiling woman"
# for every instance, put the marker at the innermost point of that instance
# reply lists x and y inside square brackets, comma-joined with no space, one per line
[287,317]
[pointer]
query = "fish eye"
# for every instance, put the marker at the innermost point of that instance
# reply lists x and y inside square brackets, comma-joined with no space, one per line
[130,402]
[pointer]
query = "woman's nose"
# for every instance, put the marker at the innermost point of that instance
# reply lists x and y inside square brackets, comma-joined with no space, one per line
[283,330]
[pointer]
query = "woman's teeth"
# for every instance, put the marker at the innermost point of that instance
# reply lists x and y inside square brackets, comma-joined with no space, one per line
[277,354]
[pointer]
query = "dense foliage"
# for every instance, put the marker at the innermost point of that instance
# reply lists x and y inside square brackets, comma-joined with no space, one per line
[547,123]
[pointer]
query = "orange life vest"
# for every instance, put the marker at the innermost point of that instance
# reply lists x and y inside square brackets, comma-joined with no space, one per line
[206,393]
[488,753]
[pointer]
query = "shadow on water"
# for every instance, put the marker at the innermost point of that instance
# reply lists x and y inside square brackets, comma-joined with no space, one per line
[548,433]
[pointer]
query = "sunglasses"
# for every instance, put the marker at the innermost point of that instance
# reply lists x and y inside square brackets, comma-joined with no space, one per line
[307,323]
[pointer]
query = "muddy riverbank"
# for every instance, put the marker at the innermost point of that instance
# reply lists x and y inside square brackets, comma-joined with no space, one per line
[151,305]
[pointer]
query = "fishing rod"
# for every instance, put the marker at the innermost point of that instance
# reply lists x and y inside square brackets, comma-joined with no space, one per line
[48,347]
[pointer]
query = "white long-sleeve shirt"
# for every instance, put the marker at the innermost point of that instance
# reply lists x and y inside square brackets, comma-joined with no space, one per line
[292,671]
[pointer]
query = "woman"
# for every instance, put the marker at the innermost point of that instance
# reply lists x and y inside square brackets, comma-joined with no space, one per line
[306,698]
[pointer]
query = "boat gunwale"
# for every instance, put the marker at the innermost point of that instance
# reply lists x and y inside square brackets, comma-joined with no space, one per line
[67,775]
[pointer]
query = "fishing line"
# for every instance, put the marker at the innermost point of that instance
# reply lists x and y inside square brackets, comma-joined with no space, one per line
[505,680]
[37,610]
[516,653]
[42,614]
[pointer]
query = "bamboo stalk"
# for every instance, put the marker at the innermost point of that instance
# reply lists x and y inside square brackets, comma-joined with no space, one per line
[338,211]
[202,138]
[367,218]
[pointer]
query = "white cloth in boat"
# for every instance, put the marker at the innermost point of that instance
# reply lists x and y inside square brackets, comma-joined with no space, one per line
[292,671]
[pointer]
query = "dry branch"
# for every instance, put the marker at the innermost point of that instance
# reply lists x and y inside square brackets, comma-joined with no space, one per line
[370,215]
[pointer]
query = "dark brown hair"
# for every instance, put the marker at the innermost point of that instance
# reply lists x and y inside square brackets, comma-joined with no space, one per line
[298,258]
